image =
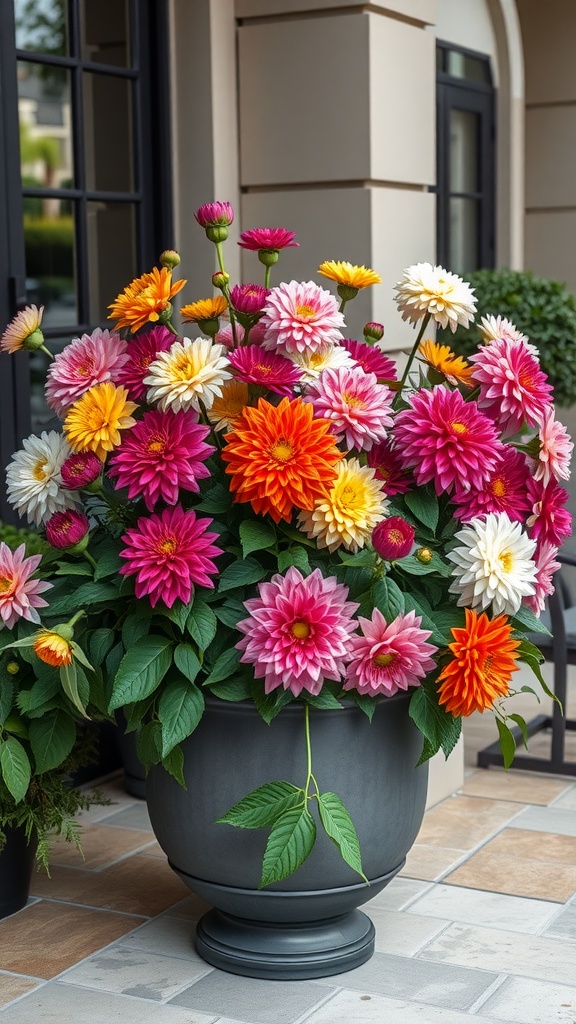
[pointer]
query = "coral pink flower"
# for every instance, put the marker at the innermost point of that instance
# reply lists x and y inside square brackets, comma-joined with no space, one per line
[299,316]
[447,440]
[214,215]
[513,388]
[549,521]
[546,566]
[164,452]
[248,298]
[86,361]
[225,335]
[80,469]
[255,366]
[555,450]
[370,358]
[142,351]
[298,632]
[505,490]
[358,408]
[19,595]
[388,657]
[65,529]
[272,239]
[391,468]
[168,553]
[393,538]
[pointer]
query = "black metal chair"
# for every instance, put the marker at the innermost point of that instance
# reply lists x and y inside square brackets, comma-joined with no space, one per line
[559,648]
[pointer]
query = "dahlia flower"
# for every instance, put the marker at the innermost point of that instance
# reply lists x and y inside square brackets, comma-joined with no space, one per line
[269,239]
[358,408]
[549,520]
[370,358]
[301,317]
[163,452]
[85,362]
[349,511]
[145,299]
[80,469]
[447,440]
[349,275]
[94,422]
[391,468]
[424,289]
[254,365]
[513,388]
[204,309]
[493,566]
[225,336]
[140,352]
[168,552]
[493,328]
[546,566]
[393,538]
[53,649]
[388,657]
[19,594]
[23,331]
[248,298]
[190,373]
[505,490]
[312,364]
[484,659]
[225,411]
[66,529]
[33,478]
[280,457]
[298,631]
[442,359]
[555,450]
[213,215]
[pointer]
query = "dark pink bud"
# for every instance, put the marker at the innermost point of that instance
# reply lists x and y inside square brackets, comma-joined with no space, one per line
[248,298]
[393,538]
[373,332]
[214,215]
[66,529]
[79,470]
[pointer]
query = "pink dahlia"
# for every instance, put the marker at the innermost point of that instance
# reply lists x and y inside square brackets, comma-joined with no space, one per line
[447,440]
[555,450]
[248,298]
[141,352]
[388,657]
[65,529]
[79,470]
[513,388]
[163,452]
[301,317]
[271,239]
[214,215]
[168,553]
[19,595]
[505,490]
[225,336]
[370,358]
[86,361]
[390,467]
[298,632]
[393,538]
[546,566]
[255,366]
[358,408]
[549,520]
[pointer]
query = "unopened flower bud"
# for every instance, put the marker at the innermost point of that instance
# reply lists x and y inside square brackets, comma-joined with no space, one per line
[220,279]
[81,469]
[373,332]
[393,538]
[424,555]
[169,258]
[13,668]
[67,529]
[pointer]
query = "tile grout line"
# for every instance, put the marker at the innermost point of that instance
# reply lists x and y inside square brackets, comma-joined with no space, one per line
[487,994]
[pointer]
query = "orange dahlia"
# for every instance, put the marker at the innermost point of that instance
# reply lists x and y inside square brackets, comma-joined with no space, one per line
[484,660]
[280,457]
[445,361]
[52,648]
[204,309]
[144,299]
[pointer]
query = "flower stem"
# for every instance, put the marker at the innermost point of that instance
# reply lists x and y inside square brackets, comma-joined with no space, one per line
[220,257]
[267,277]
[89,558]
[411,358]
[171,327]
[47,351]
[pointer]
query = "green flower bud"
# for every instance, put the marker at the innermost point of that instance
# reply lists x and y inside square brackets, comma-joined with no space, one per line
[424,555]
[169,258]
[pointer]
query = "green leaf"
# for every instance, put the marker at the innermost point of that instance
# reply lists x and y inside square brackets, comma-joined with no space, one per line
[69,680]
[186,661]
[363,558]
[339,826]
[507,743]
[289,844]
[240,574]
[438,637]
[224,667]
[424,505]
[41,692]
[268,705]
[263,806]
[100,644]
[178,614]
[520,722]
[216,500]
[86,595]
[528,622]
[73,569]
[179,710]
[6,697]
[256,535]
[388,598]
[107,564]
[231,612]
[51,739]
[534,661]
[365,703]
[233,690]
[296,555]
[324,699]
[437,726]
[141,670]
[149,744]
[174,765]
[135,626]
[113,660]
[202,624]
[415,567]
[15,767]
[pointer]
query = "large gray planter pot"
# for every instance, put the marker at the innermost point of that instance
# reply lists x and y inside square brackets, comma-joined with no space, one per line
[306,926]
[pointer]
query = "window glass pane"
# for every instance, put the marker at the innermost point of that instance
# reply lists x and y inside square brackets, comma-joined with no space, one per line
[108,133]
[44,113]
[105,33]
[462,65]
[463,235]
[49,241]
[41,26]
[111,255]
[464,126]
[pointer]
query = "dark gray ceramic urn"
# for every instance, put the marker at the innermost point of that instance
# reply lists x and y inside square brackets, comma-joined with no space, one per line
[307,926]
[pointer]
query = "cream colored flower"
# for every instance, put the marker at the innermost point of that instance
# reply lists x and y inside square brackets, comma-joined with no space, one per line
[33,478]
[347,515]
[327,357]
[494,566]
[189,373]
[446,297]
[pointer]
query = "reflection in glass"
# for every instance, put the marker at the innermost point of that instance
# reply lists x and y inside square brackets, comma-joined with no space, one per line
[41,26]
[50,267]
[108,133]
[464,126]
[44,113]
[111,255]
[463,235]
[462,65]
[105,36]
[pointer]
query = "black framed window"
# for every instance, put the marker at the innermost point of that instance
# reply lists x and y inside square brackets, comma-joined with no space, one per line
[465,160]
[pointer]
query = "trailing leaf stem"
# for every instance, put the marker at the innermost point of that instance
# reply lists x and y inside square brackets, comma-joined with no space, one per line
[309,776]
[411,358]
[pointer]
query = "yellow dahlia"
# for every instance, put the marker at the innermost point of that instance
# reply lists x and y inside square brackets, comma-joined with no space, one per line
[204,309]
[144,299]
[23,331]
[94,422]
[226,410]
[189,373]
[350,510]
[52,648]
[348,274]
[445,361]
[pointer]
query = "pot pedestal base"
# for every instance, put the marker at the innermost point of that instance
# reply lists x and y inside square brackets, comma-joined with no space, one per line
[282,952]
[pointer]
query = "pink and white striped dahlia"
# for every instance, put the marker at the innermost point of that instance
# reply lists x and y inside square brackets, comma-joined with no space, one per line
[168,552]
[447,440]
[298,631]
[513,388]
[86,361]
[388,657]
[254,365]
[549,520]
[370,358]
[19,594]
[141,351]
[546,566]
[299,316]
[505,490]
[67,528]
[391,468]
[555,449]
[358,408]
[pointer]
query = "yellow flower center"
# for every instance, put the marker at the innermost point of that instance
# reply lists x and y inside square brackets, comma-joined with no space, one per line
[499,488]
[382,660]
[316,359]
[168,546]
[5,584]
[300,630]
[348,495]
[156,444]
[506,560]
[353,401]
[395,536]
[262,367]
[282,450]
[305,312]
[39,473]
[182,368]
[459,428]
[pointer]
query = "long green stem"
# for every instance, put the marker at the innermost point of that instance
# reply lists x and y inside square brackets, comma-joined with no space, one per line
[89,558]
[267,277]
[220,257]
[411,357]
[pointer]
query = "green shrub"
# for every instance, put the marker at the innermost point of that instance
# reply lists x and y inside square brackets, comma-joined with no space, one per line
[49,246]
[544,310]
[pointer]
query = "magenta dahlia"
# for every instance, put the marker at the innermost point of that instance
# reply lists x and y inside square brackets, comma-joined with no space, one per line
[393,538]
[358,408]
[513,388]
[555,449]
[168,552]
[370,358]
[391,468]
[505,490]
[299,316]
[163,452]
[447,440]
[546,567]
[249,299]
[79,470]
[19,594]
[86,361]
[141,352]
[254,365]
[67,528]
[549,520]
[298,632]
[388,657]
[271,239]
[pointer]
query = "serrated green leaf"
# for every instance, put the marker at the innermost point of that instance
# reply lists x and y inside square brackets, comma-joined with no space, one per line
[528,622]
[135,626]
[15,767]
[507,743]
[262,807]
[69,680]
[424,505]
[178,614]
[366,704]
[224,667]
[268,705]
[324,699]
[202,624]
[107,564]
[415,567]
[141,670]
[174,765]
[534,661]
[256,535]
[388,598]
[231,612]
[100,644]
[149,744]
[186,661]
[51,739]
[233,690]
[179,710]
[217,499]
[437,637]
[86,595]
[439,728]
[240,574]
[73,569]
[297,556]
[339,826]
[289,844]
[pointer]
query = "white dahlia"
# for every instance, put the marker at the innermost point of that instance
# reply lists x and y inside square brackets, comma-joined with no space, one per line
[327,357]
[33,478]
[494,566]
[189,373]
[446,297]
[494,327]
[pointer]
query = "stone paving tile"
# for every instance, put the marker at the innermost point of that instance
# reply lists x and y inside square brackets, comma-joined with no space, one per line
[430,862]
[64,1004]
[523,787]
[403,934]
[465,821]
[488,949]
[101,846]
[568,799]
[469,906]
[558,820]
[253,1000]
[397,894]
[526,1001]
[173,936]
[145,891]
[14,985]
[133,816]
[190,909]
[135,973]
[355,1008]
[564,925]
